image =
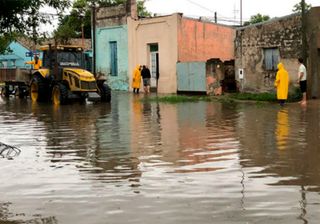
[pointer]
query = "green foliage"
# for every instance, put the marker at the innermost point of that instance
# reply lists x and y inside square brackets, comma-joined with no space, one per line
[257,19]
[71,25]
[4,42]
[106,3]
[267,97]
[270,97]
[24,16]
[178,98]
[259,98]
[298,7]
[142,11]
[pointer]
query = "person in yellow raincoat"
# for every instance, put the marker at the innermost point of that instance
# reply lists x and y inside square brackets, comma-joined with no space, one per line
[36,62]
[282,84]
[136,79]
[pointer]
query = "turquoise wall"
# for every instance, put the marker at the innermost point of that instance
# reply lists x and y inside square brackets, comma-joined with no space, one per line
[17,54]
[103,38]
[191,76]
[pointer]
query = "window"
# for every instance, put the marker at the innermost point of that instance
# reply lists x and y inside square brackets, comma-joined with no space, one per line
[271,58]
[113,58]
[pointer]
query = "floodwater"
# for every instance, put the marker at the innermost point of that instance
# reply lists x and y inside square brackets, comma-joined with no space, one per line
[145,162]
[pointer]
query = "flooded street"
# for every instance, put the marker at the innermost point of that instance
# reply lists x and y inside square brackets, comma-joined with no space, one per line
[145,162]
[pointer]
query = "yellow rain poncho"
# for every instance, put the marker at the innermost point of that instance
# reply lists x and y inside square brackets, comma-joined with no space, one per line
[136,77]
[36,63]
[282,82]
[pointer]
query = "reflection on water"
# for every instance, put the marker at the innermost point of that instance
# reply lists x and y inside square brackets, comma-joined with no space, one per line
[282,130]
[162,163]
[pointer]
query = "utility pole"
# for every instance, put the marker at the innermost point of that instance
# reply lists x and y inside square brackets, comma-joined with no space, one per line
[240,12]
[304,31]
[93,22]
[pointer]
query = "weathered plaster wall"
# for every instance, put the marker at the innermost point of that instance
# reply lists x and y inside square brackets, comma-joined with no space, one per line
[111,25]
[103,38]
[284,34]
[160,30]
[200,41]
[313,40]
[116,15]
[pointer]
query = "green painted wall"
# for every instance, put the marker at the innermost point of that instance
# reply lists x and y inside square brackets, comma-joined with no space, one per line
[103,55]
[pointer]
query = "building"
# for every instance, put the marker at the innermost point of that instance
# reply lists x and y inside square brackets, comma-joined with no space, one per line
[16,56]
[19,52]
[123,41]
[259,48]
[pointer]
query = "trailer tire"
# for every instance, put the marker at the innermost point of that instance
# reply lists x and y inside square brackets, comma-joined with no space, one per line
[5,91]
[105,92]
[59,94]
[38,90]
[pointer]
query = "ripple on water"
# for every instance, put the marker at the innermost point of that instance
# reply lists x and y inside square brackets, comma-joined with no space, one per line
[186,163]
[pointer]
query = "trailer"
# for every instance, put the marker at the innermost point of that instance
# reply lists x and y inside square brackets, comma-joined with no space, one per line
[15,81]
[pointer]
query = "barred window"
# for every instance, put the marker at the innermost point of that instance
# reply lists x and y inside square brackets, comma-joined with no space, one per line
[271,58]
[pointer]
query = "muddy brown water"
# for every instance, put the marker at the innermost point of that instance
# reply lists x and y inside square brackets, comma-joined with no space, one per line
[146,162]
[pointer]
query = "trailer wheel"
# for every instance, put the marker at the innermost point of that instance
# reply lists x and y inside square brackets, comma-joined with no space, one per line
[38,90]
[20,92]
[5,91]
[59,94]
[105,92]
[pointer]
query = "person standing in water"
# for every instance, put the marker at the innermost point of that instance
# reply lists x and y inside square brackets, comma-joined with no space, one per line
[282,84]
[136,79]
[302,80]
[146,76]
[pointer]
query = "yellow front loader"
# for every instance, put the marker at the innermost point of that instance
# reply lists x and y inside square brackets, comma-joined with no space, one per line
[62,77]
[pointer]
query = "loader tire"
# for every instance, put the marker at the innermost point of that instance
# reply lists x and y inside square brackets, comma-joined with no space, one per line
[38,90]
[105,92]
[59,94]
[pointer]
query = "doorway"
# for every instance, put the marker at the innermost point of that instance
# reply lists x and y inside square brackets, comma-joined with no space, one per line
[154,66]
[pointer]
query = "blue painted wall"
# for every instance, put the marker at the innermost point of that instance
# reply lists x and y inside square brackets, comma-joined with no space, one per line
[18,55]
[103,55]
[191,76]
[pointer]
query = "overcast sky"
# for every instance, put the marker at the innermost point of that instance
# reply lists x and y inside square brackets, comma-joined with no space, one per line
[226,9]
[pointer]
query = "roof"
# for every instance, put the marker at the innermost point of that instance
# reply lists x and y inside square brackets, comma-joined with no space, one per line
[10,57]
[29,44]
[269,21]
[61,47]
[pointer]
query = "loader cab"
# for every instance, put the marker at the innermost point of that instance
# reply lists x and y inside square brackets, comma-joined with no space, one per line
[63,56]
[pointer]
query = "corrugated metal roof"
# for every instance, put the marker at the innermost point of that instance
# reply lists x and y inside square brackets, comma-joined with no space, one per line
[10,57]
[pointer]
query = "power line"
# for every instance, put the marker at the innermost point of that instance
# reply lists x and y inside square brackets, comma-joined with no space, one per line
[200,6]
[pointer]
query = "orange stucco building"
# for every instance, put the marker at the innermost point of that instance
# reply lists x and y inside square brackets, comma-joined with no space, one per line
[162,42]
[200,40]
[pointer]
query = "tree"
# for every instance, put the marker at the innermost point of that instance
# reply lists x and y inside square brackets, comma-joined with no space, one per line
[70,26]
[257,19]
[142,11]
[23,16]
[298,7]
